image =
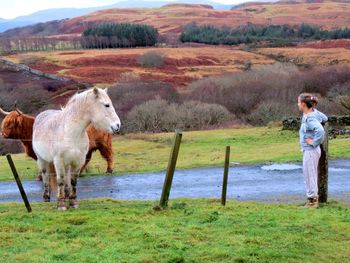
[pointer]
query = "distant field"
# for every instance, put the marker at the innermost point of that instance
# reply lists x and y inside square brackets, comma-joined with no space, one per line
[182,65]
[312,54]
[150,152]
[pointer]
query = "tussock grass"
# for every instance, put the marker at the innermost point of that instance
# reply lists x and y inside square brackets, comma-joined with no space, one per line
[196,230]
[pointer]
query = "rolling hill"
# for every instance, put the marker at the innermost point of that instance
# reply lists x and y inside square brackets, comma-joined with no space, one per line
[170,19]
[64,13]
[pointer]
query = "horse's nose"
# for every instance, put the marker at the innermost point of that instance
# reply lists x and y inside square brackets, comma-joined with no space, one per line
[116,128]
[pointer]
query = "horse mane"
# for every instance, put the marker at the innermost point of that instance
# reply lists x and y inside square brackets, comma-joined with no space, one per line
[77,99]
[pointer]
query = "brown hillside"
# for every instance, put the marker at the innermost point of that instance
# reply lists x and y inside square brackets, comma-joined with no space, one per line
[171,19]
[181,65]
[31,91]
[324,13]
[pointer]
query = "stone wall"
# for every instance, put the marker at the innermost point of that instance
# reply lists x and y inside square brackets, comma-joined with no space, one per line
[22,67]
[334,122]
[337,125]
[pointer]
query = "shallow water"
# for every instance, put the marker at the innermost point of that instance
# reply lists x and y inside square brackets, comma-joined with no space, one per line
[270,183]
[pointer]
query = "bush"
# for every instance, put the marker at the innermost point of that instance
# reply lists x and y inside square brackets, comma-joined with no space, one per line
[345,102]
[198,115]
[321,80]
[331,107]
[243,93]
[159,116]
[132,91]
[29,59]
[269,112]
[151,59]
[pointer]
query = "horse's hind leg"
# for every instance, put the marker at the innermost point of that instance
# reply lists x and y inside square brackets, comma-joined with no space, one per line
[107,154]
[87,160]
[44,168]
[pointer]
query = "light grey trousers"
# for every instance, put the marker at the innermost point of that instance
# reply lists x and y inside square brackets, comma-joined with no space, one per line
[310,164]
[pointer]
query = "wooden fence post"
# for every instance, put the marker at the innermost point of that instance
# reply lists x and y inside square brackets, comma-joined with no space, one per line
[323,169]
[19,184]
[224,182]
[170,170]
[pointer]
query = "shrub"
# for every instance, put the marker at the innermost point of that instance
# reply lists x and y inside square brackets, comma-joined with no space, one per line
[151,59]
[132,91]
[269,112]
[242,93]
[29,59]
[345,102]
[157,116]
[331,107]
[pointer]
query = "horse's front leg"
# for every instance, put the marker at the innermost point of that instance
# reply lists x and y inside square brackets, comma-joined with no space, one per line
[60,173]
[73,202]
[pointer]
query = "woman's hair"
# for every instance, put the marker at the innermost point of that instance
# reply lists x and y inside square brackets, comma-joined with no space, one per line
[310,100]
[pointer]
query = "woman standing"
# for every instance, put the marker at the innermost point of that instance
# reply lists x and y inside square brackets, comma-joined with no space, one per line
[311,136]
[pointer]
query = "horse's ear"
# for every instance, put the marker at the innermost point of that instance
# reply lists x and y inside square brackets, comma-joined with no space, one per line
[4,112]
[96,92]
[106,90]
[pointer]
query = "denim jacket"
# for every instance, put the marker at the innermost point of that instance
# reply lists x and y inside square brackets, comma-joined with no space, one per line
[311,128]
[321,116]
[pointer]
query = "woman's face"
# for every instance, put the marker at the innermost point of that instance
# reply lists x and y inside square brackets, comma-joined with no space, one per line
[301,105]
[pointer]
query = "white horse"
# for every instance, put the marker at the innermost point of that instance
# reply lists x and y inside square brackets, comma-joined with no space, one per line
[59,137]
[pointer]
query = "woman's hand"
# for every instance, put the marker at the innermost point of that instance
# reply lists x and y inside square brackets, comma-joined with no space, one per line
[309,141]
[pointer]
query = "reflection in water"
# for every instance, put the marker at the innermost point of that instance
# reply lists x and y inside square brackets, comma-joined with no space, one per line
[264,183]
[281,167]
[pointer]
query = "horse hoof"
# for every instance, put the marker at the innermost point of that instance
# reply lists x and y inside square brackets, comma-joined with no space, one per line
[109,171]
[73,203]
[46,200]
[61,208]
[39,178]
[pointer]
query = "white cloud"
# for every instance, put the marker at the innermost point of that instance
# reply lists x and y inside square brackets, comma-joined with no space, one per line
[15,8]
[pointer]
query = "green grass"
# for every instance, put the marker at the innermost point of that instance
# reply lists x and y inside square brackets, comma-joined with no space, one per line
[150,152]
[194,230]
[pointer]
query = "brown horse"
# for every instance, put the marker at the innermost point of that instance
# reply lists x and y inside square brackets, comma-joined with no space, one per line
[17,125]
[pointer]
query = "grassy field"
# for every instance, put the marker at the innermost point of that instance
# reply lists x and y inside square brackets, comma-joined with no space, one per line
[150,152]
[195,230]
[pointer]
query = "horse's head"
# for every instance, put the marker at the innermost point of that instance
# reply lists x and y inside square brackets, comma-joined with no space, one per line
[11,125]
[103,115]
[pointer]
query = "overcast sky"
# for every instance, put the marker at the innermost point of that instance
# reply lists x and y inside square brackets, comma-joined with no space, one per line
[14,8]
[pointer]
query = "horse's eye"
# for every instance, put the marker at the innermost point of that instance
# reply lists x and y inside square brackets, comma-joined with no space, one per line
[107,105]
